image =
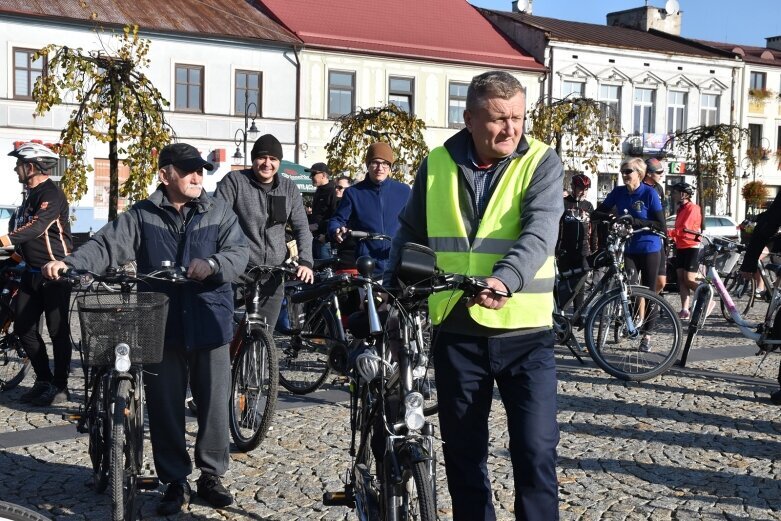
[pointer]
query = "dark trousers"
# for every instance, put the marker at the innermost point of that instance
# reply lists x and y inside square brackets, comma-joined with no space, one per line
[166,387]
[525,372]
[52,300]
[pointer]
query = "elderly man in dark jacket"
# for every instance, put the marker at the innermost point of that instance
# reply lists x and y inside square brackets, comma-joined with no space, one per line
[265,202]
[324,204]
[179,222]
[373,205]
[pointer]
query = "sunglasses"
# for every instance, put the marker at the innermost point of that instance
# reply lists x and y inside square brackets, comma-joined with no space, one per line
[627,171]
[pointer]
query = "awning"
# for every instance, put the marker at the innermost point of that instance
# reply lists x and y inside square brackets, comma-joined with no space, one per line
[295,173]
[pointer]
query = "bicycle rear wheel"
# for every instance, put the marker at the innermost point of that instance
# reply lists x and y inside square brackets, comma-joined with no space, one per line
[303,358]
[14,363]
[646,354]
[11,512]
[124,453]
[255,377]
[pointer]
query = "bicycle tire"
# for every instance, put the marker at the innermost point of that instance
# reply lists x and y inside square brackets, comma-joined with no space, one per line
[254,383]
[742,293]
[303,358]
[14,362]
[427,385]
[423,496]
[11,512]
[123,475]
[99,439]
[624,360]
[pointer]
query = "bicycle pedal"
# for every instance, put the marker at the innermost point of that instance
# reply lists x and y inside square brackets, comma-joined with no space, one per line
[338,499]
[341,379]
[71,417]
[147,482]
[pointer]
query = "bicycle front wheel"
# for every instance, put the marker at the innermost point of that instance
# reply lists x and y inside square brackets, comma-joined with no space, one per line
[255,377]
[303,357]
[99,428]
[640,355]
[124,450]
[420,499]
[14,363]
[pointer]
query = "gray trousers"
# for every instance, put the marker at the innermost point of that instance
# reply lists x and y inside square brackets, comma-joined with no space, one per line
[166,387]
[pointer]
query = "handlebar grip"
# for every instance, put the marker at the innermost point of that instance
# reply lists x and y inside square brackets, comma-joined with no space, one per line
[356,234]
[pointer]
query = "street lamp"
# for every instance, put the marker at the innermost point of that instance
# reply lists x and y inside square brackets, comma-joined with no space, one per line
[241,135]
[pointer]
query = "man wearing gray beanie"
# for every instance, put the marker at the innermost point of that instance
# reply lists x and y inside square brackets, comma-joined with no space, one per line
[265,203]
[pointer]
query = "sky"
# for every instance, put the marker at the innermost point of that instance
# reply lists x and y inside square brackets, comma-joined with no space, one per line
[746,22]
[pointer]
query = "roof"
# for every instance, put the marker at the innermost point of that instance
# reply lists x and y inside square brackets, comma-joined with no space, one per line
[441,30]
[223,18]
[749,53]
[612,36]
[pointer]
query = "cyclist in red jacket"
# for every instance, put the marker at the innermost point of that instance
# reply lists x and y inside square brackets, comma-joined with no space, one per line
[687,246]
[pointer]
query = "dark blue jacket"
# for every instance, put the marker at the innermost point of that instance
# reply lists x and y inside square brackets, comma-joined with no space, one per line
[374,208]
[200,314]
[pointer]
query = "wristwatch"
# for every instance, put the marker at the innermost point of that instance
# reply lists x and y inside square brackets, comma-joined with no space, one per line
[212,264]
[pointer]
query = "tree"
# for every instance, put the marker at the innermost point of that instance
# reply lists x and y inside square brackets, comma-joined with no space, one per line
[712,150]
[357,130]
[582,130]
[115,104]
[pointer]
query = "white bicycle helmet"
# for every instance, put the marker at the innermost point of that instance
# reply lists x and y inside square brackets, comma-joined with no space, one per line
[43,157]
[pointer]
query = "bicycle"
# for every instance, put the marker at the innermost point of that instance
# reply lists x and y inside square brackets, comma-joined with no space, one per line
[120,332]
[615,313]
[392,474]
[14,362]
[761,332]
[254,366]
[317,335]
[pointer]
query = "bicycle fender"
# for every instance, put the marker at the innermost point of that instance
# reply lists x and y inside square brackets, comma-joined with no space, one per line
[412,451]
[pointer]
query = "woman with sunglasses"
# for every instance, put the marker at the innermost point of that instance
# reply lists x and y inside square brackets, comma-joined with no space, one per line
[644,250]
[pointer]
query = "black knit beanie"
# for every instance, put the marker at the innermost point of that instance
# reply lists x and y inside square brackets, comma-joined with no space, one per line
[266,145]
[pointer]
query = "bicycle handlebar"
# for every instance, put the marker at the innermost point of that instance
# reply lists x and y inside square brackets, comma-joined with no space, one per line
[367,236]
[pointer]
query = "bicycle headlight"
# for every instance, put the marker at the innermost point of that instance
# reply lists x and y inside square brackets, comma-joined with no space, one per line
[122,358]
[413,411]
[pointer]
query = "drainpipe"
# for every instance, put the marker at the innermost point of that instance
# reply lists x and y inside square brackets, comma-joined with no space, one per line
[296,50]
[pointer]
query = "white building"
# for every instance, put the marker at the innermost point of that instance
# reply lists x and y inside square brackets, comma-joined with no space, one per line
[655,81]
[203,61]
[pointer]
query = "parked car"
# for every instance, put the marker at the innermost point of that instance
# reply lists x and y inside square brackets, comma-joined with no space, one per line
[5,217]
[715,226]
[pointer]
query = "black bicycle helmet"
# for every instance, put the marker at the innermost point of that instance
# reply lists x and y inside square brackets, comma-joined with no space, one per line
[684,188]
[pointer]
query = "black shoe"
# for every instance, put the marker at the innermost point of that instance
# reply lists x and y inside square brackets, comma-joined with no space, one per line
[211,489]
[775,398]
[52,396]
[38,388]
[176,496]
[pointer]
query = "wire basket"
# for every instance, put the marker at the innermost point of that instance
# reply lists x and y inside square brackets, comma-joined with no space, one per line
[725,261]
[108,319]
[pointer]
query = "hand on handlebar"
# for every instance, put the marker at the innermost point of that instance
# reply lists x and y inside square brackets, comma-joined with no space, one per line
[489,299]
[51,270]
[305,274]
[340,233]
[199,269]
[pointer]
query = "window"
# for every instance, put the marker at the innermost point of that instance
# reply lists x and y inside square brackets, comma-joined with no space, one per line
[754,135]
[610,96]
[26,71]
[401,92]
[341,93]
[456,104]
[248,90]
[676,111]
[189,88]
[757,81]
[709,109]
[644,111]
[102,184]
[573,89]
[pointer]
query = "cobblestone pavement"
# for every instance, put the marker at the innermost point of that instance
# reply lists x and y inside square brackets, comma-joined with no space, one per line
[700,443]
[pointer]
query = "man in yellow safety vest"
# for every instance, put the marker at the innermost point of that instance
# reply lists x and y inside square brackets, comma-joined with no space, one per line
[489,202]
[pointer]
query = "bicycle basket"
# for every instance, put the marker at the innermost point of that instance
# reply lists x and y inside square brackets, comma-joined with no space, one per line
[108,319]
[725,261]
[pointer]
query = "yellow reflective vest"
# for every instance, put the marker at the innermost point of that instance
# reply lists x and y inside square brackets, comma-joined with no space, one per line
[498,230]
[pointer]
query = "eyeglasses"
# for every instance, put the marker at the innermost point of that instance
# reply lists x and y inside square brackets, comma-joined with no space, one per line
[627,171]
[379,164]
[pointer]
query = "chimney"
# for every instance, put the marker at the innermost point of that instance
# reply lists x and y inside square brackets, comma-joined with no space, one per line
[522,6]
[648,17]
[774,42]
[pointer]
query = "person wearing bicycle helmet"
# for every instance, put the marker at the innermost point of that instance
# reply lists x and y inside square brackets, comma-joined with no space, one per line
[764,231]
[576,240]
[42,234]
[654,177]
[687,246]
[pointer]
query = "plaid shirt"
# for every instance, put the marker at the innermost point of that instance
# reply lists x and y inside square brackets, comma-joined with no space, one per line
[482,178]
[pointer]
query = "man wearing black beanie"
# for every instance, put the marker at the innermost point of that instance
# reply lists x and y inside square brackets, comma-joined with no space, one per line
[265,202]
